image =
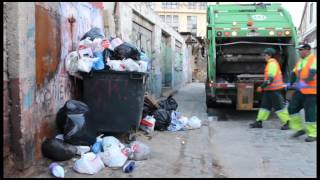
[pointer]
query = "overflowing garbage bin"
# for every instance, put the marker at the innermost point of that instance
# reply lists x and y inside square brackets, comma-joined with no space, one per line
[115,99]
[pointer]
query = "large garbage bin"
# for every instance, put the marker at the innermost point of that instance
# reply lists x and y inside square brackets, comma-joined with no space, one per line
[115,100]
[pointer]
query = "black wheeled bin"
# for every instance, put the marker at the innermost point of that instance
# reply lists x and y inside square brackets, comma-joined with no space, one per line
[115,100]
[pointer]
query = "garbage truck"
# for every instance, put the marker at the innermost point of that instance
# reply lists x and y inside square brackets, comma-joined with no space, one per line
[237,35]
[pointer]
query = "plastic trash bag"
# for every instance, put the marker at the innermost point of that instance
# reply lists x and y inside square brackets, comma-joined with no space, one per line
[85,64]
[131,65]
[126,50]
[56,170]
[89,163]
[110,141]
[82,149]
[75,130]
[70,107]
[140,151]
[143,66]
[113,155]
[71,63]
[93,34]
[58,150]
[87,52]
[99,64]
[163,119]
[97,45]
[115,42]
[147,124]
[194,123]
[97,146]
[169,104]
[177,122]
[147,62]
[116,65]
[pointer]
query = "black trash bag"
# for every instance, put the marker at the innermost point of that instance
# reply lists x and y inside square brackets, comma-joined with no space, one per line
[70,107]
[169,104]
[93,34]
[75,131]
[58,150]
[163,119]
[111,54]
[126,50]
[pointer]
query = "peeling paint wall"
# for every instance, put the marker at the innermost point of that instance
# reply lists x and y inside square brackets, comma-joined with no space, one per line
[38,81]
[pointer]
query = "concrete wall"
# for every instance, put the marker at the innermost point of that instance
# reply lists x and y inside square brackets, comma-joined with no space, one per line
[38,39]
[123,17]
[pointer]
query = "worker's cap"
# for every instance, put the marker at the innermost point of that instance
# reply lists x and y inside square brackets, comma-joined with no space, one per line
[304,47]
[269,51]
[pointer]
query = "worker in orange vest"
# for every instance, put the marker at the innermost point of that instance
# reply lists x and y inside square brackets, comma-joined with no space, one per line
[272,97]
[305,76]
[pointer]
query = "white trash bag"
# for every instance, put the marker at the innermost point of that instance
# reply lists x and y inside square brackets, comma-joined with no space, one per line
[113,156]
[85,64]
[131,65]
[110,141]
[194,122]
[89,163]
[71,63]
[140,151]
[116,65]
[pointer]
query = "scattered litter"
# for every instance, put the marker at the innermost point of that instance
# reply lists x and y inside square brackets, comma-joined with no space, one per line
[56,170]
[169,104]
[194,123]
[128,167]
[97,146]
[140,151]
[89,163]
[163,119]
[147,124]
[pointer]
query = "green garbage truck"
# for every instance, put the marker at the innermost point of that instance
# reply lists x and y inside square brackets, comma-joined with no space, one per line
[237,35]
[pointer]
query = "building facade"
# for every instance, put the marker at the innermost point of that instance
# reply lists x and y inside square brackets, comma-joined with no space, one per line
[308,25]
[183,16]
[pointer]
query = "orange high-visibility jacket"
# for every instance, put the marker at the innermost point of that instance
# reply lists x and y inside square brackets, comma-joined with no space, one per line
[277,82]
[303,73]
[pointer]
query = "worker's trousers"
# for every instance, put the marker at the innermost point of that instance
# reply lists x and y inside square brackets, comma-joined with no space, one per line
[273,99]
[309,103]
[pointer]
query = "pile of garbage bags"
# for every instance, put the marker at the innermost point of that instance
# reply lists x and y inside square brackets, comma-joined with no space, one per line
[95,153]
[163,116]
[96,52]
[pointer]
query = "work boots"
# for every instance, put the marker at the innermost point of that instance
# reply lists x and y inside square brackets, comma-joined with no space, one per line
[299,133]
[310,139]
[256,124]
[285,126]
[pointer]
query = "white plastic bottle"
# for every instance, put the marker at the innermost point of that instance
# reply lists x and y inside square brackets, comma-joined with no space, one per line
[56,170]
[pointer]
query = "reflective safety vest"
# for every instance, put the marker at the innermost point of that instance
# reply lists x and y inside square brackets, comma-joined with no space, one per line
[277,82]
[303,73]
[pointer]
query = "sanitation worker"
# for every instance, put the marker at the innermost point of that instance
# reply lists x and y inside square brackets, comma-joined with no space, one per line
[305,96]
[272,88]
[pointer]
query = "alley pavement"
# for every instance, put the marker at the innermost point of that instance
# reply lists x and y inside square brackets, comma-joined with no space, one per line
[225,147]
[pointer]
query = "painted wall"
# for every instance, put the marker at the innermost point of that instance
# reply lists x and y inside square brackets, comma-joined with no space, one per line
[39,83]
[123,25]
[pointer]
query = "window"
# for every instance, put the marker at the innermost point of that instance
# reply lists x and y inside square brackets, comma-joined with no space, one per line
[192,24]
[172,20]
[175,22]
[311,12]
[192,5]
[202,5]
[150,5]
[163,18]
[170,5]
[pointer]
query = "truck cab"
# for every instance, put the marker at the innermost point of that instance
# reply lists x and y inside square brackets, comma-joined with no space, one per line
[237,35]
